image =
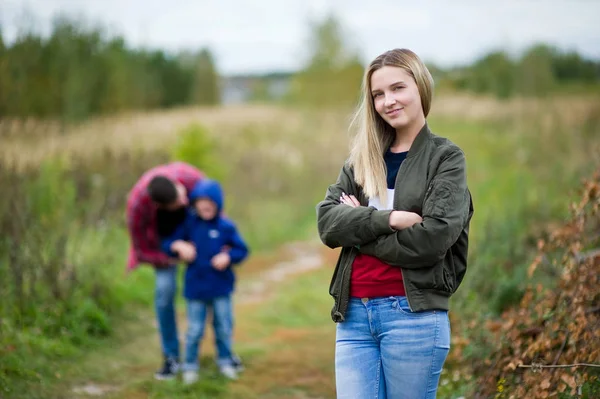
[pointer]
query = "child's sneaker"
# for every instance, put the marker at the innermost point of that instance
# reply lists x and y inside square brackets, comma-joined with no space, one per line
[190,377]
[229,371]
[168,371]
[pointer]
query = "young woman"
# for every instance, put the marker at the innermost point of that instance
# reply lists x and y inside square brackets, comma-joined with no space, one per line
[400,210]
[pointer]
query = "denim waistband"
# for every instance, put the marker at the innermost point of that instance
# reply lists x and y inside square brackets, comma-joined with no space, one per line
[376,300]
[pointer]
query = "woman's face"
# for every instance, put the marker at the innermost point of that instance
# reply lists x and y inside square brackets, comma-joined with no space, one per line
[396,97]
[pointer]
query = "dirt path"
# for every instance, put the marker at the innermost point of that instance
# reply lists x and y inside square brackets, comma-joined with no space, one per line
[255,286]
[303,257]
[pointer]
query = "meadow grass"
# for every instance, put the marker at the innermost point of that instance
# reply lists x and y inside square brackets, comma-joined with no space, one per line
[285,338]
[525,159]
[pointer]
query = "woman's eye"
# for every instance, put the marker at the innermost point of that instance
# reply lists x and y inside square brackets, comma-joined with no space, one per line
[398,88]
[377,95]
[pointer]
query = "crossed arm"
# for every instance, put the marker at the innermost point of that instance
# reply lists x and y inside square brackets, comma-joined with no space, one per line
[399,238]
[343,222]
[398,220]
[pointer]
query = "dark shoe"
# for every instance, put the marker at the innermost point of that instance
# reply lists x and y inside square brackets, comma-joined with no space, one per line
[168,371]
[237,363]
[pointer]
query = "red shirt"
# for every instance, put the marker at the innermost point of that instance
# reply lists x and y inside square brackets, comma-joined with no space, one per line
[141,213]
[372,278]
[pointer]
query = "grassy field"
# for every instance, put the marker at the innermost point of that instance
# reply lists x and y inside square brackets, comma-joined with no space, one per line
[525,159]
[283,333]
[26,143]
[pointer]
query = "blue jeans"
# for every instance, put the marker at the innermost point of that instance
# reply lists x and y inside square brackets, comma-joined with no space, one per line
[164,303]
[223,325]
[383,350]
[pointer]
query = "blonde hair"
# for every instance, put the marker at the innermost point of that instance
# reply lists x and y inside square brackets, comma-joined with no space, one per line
[373,134]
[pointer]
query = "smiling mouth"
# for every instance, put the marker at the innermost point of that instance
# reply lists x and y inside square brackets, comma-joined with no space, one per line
[394,111]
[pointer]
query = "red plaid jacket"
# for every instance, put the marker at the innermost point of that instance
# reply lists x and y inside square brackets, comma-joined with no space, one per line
[141,213]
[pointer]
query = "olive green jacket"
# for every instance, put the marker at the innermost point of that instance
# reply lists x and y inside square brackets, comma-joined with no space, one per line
[431,182]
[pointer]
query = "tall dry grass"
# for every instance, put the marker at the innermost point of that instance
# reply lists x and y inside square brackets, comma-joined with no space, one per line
[27,143]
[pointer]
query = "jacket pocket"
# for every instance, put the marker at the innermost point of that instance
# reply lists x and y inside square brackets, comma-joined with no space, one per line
[439,198]
[438,277]
[448,278]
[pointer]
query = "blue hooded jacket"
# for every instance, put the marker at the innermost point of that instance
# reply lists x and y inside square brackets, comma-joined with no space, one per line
[202,281]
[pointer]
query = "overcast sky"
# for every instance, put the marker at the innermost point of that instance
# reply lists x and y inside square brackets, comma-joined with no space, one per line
[249,36]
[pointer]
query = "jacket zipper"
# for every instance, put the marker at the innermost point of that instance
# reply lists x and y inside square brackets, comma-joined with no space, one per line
[406,292]
[340,299]
[398,176]
[338,305]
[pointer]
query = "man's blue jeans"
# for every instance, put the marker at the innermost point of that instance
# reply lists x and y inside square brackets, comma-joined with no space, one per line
[383,350]
[164,303]
[223,325]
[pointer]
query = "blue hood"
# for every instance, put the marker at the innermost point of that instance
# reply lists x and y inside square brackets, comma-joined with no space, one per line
[207,188]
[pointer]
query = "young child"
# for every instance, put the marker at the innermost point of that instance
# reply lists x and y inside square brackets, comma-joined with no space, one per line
[209,278]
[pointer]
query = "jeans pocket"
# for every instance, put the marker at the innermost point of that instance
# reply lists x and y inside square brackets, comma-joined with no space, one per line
[443,334]
[400,304]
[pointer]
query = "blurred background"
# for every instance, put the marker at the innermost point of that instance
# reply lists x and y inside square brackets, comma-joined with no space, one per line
[260,95]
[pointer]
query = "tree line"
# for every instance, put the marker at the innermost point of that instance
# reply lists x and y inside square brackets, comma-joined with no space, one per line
[78,71]
[333,71]
[540,70]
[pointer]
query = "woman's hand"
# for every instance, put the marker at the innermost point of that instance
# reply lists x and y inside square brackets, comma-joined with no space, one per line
[400,220]
[349,200]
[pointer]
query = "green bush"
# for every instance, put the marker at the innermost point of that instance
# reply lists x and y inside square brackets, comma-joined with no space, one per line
[92,319]
[195,146]
[63,252]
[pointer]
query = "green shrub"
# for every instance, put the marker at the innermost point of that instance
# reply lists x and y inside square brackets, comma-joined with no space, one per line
[195,146]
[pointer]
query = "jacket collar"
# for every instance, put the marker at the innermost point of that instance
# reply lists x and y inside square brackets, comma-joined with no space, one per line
[420,141]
